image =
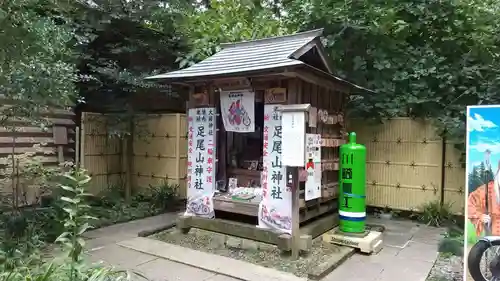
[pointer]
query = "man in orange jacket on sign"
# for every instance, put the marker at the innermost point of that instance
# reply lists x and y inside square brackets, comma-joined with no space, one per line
[476,207]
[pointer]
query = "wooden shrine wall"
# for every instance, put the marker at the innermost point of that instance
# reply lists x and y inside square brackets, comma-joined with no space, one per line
[332,131]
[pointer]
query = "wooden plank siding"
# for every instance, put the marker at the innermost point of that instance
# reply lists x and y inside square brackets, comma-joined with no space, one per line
[21,136]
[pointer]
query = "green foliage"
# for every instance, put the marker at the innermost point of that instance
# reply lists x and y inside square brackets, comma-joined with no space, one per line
[452,242]
[164,195]
[37,70]
[225,21]
[423,58]
[435,214]
[77,212]
[124,42]
[72,267]
[30,174]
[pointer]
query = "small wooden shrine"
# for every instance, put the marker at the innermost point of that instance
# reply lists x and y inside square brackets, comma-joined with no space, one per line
[235,138]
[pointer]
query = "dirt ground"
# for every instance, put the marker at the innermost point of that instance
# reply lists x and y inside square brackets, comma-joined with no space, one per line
[467,275]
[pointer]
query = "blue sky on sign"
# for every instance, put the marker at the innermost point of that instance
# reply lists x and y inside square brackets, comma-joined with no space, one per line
[483,128]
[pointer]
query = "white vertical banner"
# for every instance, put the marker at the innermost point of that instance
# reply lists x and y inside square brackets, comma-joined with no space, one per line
[294,133]
[238,110]
[313,167]
[201,162]
[275,209]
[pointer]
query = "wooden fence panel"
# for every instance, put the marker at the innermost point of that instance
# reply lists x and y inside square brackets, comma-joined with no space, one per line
[28,142]
[404,164]
[454,180]
[159,152]
[102,155]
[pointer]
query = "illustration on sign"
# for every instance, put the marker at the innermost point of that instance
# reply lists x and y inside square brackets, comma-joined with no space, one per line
[482,187]
[483,172]
[313,166]
[275,209]
[238,111]
[201,162]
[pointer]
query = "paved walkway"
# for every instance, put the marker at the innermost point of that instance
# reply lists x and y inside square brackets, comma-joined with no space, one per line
[409,250]
[409,253]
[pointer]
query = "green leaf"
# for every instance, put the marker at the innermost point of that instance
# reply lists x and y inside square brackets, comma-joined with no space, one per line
[70,211]
[68,188]
[85,180]
[69,200]
[83,228]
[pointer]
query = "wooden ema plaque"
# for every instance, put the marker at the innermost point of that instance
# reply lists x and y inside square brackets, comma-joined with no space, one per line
[330,119]
[331,142]
[275,95]
[330,165]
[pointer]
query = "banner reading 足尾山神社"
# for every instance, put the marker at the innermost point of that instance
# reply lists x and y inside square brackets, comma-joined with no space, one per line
[238,110]
[275,209]
[201,162]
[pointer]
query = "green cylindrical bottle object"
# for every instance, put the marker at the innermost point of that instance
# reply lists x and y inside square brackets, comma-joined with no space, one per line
[352,175]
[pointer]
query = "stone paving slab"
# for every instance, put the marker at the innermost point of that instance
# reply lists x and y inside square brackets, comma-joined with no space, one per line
[165,270]
[119,256]
[213,263]
[101,237]
[397,269]
[97,243]
[429,235]
[332,262]
[131,227]
[353,270]
[385,254]
[396,240]
[118,245]
[416,251]
[409,251]
[219,277]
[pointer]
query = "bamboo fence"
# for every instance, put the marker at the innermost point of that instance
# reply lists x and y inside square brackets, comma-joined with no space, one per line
[409,164]
[158,155]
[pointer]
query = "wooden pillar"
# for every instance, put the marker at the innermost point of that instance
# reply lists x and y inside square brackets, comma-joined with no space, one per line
[292,174]
[129,148]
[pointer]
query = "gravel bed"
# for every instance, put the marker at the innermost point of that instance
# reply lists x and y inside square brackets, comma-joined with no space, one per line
[250,251]
[447,268]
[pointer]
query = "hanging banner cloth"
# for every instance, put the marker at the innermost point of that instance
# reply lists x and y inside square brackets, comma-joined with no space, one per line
[201,162]
[275,209]
[238,110]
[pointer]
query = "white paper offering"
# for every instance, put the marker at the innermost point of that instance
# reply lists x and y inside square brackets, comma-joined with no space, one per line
[313,167]
[275,209]
[294,132]
[238,111]
[201,162]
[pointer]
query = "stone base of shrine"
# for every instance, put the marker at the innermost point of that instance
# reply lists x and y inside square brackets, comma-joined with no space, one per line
[308,231]
[368,242]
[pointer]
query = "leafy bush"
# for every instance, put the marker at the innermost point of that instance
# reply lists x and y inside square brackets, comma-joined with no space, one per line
[164,195]
[452,245]
[435,214]
[72,266]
